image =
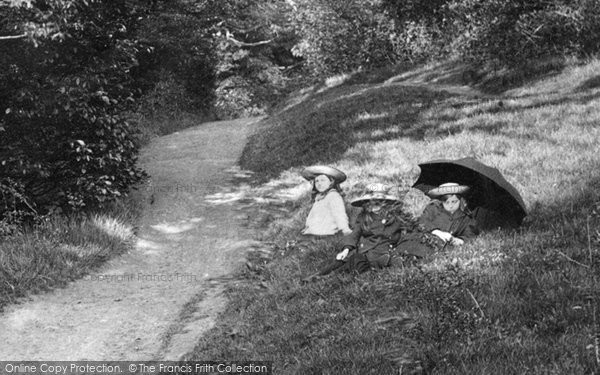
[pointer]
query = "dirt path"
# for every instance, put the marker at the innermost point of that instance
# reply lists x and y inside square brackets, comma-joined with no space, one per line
[132,308]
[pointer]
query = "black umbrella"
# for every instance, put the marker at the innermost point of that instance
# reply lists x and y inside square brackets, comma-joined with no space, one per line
[494,201]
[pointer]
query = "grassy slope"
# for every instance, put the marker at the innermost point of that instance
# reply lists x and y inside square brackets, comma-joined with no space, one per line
[506,303]
[64,249]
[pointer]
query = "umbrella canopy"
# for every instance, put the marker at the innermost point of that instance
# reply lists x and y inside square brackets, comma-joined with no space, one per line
[494,201]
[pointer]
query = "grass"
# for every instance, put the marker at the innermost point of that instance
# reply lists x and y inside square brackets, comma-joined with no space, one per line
[506,303]
[63,249]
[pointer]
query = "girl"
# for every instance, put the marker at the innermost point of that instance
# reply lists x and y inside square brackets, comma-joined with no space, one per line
[378,228]
[445,221]
[328,213]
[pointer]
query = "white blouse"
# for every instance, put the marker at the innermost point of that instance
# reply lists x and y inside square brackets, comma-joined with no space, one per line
[327,215]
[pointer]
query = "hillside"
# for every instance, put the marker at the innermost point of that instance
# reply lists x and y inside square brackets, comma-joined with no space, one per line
[510,302]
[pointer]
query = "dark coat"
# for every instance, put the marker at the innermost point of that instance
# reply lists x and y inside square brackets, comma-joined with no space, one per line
[423,243]
[377,238]
[459,224]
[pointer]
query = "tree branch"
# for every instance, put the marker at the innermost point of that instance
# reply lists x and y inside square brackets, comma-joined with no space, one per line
[239,43]
[9,37]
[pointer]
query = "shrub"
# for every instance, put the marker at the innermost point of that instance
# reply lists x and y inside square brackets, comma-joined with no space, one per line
[178,56]
[64,144]
[496,32]
[339,37]
[166,99]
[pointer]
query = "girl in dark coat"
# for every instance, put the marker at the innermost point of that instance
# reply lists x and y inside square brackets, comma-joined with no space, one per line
[377,230]
[445,221]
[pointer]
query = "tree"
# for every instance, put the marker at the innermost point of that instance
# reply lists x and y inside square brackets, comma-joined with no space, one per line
[64,144]
[337,37]
[253,45]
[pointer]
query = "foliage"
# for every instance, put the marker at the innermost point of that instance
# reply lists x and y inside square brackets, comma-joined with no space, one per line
[500,32]
[336,37]
[73,67]
[252,50]
[230,56]
[64,145]
[177,59]
[166,99]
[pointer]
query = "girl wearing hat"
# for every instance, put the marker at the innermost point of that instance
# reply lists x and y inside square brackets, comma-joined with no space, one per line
[378,228]
[327,215]
[446,220]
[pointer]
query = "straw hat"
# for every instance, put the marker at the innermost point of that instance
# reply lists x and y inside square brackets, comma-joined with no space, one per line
[448,188]
[377,192]
[310,173]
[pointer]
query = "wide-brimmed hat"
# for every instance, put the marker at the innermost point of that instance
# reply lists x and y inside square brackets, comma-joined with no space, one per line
[378,191]
[448,188]
[313,171]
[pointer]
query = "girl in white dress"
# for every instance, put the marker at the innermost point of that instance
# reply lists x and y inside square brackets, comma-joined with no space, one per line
[327,216]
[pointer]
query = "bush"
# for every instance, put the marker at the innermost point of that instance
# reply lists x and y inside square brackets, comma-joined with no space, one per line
[418,42]
[252,55]
[64,144]
[166,99]
[496,32]
[178,56]
[340,37]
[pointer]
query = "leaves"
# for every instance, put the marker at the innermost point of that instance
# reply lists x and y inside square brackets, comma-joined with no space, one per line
[496,32]
[65,142]
[338,37]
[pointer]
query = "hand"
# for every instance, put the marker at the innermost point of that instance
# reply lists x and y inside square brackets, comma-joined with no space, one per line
[457,241]
[342,254]
[445,236]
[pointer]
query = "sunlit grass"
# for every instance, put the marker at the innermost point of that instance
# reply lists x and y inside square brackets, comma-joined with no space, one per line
[113,227]
[62,249]
[505,303]
[336,80]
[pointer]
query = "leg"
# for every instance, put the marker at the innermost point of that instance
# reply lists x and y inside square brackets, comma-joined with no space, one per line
[330,267]
[417,248]
[358,263]
[379,259]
